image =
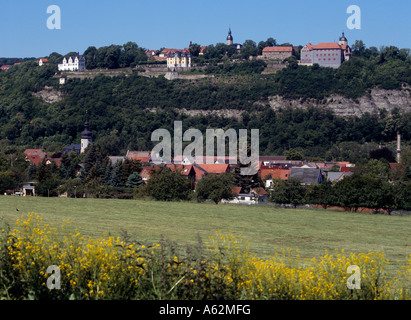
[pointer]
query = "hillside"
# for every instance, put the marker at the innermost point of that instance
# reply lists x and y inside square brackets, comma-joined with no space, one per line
[307,108]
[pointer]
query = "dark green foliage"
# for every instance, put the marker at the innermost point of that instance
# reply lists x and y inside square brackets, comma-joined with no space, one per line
[321,194]
[246,182]
[120,120]
[288,192]
[134,180]
[8,181]
[293,154]
[237,68]
[215,187]
[114,56]
[167,185]
[116,177]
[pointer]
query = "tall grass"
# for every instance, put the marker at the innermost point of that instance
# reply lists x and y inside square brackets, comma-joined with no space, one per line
[222,268]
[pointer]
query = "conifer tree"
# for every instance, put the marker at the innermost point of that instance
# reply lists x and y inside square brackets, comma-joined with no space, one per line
[134,180]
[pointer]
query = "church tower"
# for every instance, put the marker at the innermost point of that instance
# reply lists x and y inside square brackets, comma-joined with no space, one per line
[343,40]
[86,138]
[230,40]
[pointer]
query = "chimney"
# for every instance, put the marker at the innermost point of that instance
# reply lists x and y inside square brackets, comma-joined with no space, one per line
[398,148]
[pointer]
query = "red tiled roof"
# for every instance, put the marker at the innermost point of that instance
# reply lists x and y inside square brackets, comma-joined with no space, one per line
[184,169]
[146,172]
[143,156]
[199,172]
[214,168]
[167,51]
[325,46]
[278,49]
[275,173]
[35,152]
[259,191]
[142,159]
[30,151]
[35,159]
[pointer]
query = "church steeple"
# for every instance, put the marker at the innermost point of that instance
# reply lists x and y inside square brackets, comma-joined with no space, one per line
[230,40]
[86,138]
[343,40]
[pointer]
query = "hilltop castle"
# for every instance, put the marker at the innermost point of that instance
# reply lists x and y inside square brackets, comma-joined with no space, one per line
[326,54]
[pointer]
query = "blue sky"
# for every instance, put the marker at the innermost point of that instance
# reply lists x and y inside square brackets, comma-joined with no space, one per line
[153,24]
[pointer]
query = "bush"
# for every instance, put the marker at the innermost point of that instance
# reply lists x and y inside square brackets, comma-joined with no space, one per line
[222,269]
[167,185]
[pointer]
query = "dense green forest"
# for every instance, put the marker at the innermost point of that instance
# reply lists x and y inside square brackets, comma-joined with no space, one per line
[119,106]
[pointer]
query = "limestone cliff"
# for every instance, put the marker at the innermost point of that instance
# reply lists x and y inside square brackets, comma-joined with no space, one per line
[377,99]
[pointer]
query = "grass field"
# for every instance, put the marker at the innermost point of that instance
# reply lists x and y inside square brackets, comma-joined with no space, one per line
[312,231]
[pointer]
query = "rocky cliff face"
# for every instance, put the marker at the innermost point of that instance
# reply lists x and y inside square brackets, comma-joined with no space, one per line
[377,99]
[49,95]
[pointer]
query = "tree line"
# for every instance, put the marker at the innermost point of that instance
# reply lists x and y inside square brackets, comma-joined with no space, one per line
[373,183]
[361,190]
[28,121]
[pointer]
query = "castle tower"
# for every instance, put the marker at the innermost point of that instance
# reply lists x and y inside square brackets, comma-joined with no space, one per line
[343,40]
[230,40]
[86,138]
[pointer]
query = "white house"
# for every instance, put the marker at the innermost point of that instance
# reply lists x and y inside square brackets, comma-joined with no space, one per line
[63,79]
[72,63]
[179,59]
[43,61]
[255,196]
[29,189]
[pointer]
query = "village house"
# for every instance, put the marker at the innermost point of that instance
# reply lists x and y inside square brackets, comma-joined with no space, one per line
[269,174]
[181,159]
[307,175]
[72,63]
[63,80]
[276,53]
[335,177]
[42,61]
[143,156]
[35,156]
[326,54]
[255,196]
[29,189]
[180,59]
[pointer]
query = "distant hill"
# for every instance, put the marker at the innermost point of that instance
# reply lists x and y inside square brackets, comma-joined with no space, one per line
[297,107]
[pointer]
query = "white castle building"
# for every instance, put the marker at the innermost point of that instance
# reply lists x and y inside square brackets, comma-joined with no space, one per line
[72,63]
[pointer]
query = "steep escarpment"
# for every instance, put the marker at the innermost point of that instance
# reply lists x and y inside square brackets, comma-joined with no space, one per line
[375,100]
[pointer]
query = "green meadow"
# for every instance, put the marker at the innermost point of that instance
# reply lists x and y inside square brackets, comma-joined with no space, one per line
[267,228]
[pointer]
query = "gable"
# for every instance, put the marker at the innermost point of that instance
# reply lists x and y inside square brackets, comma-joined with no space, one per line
[306,175]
